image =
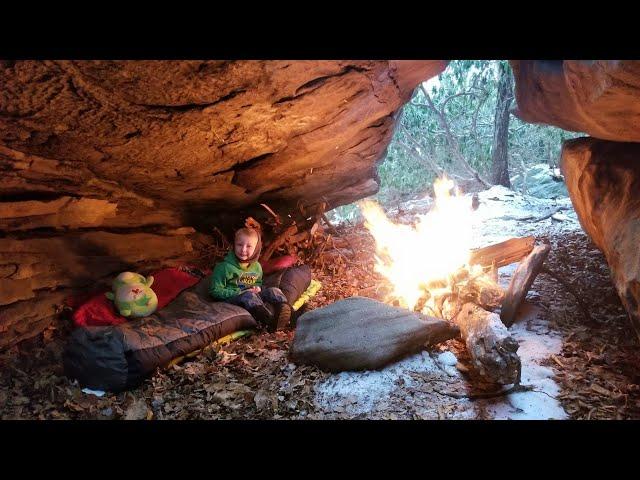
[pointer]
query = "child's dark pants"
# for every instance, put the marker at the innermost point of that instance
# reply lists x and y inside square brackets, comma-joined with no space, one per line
[251,300]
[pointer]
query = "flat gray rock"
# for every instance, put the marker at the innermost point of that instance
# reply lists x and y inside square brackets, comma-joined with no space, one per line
[359,333]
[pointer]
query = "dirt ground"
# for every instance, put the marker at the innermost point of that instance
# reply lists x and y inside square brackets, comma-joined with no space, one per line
[597,368]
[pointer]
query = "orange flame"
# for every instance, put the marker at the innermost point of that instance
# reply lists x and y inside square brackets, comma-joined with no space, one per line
[439,244]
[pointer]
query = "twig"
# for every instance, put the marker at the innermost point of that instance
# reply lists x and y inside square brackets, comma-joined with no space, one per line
[516,388]
[225,242]
[559,209]
[349,262]
[534,219]
[17,370]
[275,215]
[452,141]
[319,249]
[279,241]
[332,229]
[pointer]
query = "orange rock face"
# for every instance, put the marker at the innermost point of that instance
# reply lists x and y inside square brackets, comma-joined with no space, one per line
[603,179]
[106,164]
[601,98]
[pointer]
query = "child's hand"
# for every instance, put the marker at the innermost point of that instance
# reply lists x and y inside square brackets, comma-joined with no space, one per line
[255,289]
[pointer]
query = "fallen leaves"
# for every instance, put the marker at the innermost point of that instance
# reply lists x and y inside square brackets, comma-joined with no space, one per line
[138,410]
[598,389]
[599,365]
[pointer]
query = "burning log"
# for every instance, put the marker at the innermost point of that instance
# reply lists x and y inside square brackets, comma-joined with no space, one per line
[492,349]
[362,334]
[482,291]
[503,253]
[521,281]
[446,302]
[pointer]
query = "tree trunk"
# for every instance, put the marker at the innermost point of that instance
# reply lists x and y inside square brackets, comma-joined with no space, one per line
[500,161]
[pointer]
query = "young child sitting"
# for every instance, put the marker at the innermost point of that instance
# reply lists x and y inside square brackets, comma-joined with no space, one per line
[238,280]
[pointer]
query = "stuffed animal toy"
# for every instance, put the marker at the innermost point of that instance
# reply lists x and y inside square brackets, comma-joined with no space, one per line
[132,295]
[127,278]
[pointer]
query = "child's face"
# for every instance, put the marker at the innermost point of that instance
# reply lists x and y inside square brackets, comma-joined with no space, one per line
[245,246]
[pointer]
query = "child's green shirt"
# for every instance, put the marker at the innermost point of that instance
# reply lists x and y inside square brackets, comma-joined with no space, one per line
[230,279]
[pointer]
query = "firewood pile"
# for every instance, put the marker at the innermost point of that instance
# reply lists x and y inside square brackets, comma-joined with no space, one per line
[474,296]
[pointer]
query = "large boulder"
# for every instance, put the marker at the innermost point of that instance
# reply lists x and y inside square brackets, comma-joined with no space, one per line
[178,135]
[603,179]
[601,98]
[540,181]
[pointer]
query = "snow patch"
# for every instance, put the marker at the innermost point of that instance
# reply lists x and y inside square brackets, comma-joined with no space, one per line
[360,392]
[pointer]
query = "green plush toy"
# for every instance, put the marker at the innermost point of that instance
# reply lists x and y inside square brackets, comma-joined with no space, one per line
[128,278]
[132,295]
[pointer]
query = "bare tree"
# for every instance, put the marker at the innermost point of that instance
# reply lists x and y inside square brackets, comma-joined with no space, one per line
[452,141]
[499,155]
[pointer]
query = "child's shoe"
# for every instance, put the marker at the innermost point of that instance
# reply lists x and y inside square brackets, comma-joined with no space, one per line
[282,316]
[264,314]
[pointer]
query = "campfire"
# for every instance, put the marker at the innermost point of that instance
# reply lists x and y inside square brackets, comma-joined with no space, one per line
[430,263]
[432,270]
[438,287]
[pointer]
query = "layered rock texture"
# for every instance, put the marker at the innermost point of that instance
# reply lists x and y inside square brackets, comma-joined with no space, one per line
[116,165]
[125,165]
[601,98]
[603,179]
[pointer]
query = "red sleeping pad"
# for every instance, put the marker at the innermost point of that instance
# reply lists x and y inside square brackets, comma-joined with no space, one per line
[97,310]
[278,263]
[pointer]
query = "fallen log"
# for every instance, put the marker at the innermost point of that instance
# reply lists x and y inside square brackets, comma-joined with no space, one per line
[480,288]
[521,281]
[534,219]
[491,348]
[482,291]
[360,333]
[503,253]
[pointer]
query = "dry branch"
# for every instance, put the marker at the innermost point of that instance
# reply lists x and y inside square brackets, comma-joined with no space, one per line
[534,219]
[516,388]
[503,253]
[521,281]
[278,242]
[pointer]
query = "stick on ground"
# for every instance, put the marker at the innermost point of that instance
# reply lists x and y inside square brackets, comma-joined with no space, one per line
[521,281]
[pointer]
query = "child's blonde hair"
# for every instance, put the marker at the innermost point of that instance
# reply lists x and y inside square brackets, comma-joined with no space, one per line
[247,232]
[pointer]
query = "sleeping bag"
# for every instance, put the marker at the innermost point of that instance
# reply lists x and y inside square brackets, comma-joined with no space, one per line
[119,357]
